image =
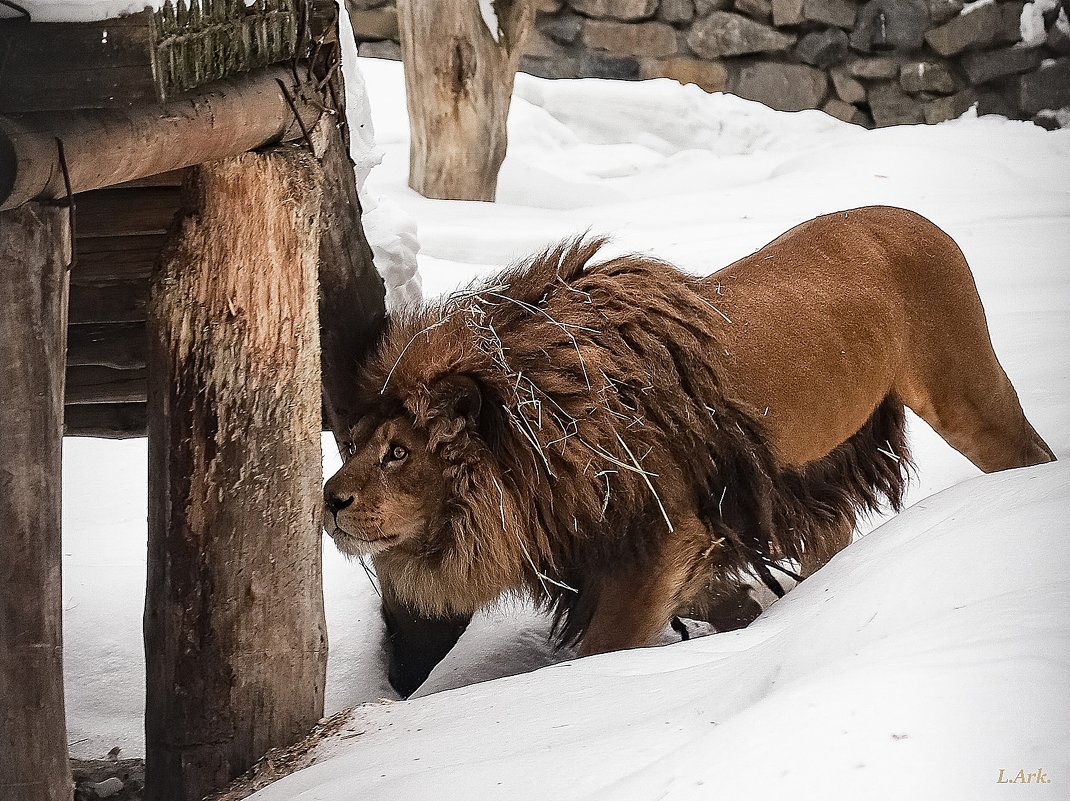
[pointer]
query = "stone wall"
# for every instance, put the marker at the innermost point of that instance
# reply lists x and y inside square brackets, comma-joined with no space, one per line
[874,63]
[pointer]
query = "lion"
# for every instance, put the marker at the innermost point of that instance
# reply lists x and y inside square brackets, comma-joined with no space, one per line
[625,443]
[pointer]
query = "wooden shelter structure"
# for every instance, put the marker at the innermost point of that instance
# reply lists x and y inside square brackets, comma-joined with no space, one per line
[181,256]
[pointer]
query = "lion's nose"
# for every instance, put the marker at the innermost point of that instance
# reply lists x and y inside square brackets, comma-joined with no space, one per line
[335,504]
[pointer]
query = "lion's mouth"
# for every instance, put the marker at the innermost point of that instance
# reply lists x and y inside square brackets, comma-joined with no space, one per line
[352,543]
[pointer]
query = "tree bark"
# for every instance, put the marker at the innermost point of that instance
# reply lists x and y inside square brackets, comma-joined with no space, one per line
[235,639]
[458,83]
[34,255]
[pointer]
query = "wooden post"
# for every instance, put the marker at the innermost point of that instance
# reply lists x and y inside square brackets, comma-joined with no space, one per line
[458,84]
[34,256]
[235,639]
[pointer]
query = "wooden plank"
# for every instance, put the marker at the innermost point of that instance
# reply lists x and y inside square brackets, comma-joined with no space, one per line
[120,258]
[107,420]
[235,478]
[126,212]
[120,346]
[111,302]
[73,65]
[34,254]
[42,91]
[92,384]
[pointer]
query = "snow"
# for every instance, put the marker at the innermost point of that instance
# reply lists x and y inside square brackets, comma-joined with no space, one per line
[918,663]
[871,647]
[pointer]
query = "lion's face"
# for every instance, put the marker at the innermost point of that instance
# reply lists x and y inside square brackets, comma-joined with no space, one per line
[387,492]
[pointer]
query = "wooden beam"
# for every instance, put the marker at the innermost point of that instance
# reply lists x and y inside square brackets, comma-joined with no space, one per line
[115,258]
[104,147]
[92,384]
[126,212]
[34,254]
[121,346]
[118,301]
[235,641]
[107,420]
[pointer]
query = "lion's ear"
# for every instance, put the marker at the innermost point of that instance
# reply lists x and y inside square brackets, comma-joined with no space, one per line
[459,396]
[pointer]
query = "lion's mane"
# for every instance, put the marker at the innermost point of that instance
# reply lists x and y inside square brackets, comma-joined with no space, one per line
[599,385]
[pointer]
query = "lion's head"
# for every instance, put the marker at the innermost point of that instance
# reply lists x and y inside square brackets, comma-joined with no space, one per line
[390,488]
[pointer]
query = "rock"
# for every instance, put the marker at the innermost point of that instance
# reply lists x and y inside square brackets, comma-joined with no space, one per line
[1053,119]
[704,7]
[375,24]
[1010,29]
[969,31]
[785,87]
[723,33]
[844,111]
[940,11]
[676,12]
[562,67]
[1059,40]
[877,67]
[847,88]
[602,65]
[949,108]
[991,64]
[1048,87]
[564,29]
[539,45]
[890,105]
[823,49]
[654,39]
[787,12]
[761,10]
[997,102]
[841,13]
[708,75]
[388,50]
[616,9]
[890,25]
[927,76]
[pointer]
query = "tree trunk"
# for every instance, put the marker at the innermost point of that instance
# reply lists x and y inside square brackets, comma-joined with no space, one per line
[458,83]
[235,639]
[34,256]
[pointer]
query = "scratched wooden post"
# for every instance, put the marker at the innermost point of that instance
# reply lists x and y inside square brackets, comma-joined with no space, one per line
[235,640]
[34,255]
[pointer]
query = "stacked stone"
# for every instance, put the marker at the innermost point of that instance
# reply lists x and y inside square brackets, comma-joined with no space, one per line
[873,63]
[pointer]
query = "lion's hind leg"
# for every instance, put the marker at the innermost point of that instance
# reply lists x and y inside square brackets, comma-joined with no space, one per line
[980,416]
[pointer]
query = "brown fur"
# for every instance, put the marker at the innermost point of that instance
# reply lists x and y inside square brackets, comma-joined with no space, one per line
[624,441]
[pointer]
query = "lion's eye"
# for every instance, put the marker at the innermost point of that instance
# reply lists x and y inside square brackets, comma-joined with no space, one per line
[396,453]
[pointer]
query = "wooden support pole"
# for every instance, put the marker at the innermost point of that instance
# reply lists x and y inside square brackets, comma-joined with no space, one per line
[235,640]
[34,255]
[458,84]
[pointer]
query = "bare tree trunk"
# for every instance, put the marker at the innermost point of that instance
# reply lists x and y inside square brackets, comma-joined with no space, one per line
[458,82]
[234,631]
[34,255]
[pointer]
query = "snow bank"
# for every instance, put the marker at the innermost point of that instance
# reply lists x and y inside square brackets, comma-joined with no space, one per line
[917,664]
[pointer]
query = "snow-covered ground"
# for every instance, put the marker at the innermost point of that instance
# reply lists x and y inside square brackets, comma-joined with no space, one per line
[916,665]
